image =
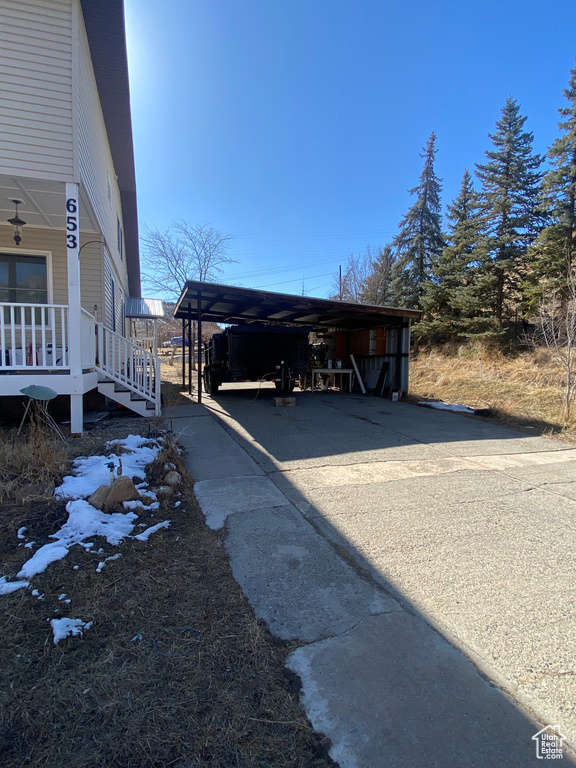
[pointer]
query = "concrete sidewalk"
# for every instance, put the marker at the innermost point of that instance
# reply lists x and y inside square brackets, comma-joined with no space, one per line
[324,561]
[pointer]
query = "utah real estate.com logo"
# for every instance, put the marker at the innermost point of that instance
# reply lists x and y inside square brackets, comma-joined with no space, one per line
[549,743]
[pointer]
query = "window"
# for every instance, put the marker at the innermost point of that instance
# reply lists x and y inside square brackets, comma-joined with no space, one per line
[23,280]
[113,286]
[119,237]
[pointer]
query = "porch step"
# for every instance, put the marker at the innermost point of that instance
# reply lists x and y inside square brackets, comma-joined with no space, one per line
[126,397]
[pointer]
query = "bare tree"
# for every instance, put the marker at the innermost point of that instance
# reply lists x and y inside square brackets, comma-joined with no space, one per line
[169,327]
[182,252]
[366,277]
[377,288]
[556,330]
[350,286]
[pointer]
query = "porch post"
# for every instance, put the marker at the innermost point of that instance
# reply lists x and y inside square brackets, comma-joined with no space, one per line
[74,308]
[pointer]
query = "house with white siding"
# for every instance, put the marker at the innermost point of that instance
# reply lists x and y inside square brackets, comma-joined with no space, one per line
[67,171]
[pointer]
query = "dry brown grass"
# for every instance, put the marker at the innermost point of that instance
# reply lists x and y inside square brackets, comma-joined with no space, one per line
[524,390]
[140,687]
[173,393]
[31,464]
[171,371]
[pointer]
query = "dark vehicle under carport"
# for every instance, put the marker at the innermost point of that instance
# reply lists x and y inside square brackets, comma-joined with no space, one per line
[255,352]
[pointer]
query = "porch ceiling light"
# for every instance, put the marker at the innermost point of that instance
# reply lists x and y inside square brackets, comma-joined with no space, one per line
[17,223]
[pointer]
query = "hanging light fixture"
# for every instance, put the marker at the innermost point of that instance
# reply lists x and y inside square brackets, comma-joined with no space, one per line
[17,223]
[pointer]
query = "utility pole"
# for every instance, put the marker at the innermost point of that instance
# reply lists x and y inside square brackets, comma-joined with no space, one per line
[340,270]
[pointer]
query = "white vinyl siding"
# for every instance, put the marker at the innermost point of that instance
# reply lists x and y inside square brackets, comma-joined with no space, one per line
[92,277]
[114,297]
[52,130]
[36,90]
[97,174]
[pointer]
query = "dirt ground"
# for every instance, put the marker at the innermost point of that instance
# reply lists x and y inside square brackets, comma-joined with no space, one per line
[175,671]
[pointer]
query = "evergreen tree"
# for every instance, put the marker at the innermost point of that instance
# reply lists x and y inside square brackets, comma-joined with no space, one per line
[419,241]
[510,202]
[555,249]
[454,302]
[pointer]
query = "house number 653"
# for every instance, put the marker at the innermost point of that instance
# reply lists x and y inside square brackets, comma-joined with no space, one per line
[72,222]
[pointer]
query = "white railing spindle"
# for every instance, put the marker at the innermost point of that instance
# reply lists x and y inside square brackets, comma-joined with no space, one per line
[3,350]
[13,335]
[43,337]
[64,334]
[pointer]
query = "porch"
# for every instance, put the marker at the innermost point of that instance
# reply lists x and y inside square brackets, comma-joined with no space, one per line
[36,348]
[63,283]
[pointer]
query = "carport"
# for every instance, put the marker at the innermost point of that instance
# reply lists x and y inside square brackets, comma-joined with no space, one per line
[378,337]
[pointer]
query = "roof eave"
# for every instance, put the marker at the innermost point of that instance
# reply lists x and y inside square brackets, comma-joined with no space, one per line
[106,32]
[236,305]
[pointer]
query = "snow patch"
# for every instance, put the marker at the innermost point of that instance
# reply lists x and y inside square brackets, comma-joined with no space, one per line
[62,628]
[448,407]
[107,560]
[84,521]
[145,534]
[133,505]
[92,471]
[7,587]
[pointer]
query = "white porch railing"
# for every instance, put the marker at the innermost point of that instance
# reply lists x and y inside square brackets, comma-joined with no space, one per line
[33,336]
[88,338]
[147,342]
[129,364]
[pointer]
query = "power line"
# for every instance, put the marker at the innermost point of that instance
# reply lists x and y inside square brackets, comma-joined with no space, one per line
[297,280]
[277,270]
[309,290]
[294,235]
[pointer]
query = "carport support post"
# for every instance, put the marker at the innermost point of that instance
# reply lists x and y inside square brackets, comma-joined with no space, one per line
[183,353]
[189,339]
[199,347]
[398,372]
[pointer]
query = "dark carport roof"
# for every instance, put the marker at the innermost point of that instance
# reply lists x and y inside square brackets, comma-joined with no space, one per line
[236,305]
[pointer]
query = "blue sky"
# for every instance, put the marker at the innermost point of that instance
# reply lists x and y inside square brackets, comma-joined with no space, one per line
[296,126]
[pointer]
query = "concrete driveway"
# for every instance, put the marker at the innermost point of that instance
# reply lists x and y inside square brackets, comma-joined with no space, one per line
[423,532]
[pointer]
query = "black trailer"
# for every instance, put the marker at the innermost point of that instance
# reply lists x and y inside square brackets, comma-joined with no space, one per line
[252,353]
